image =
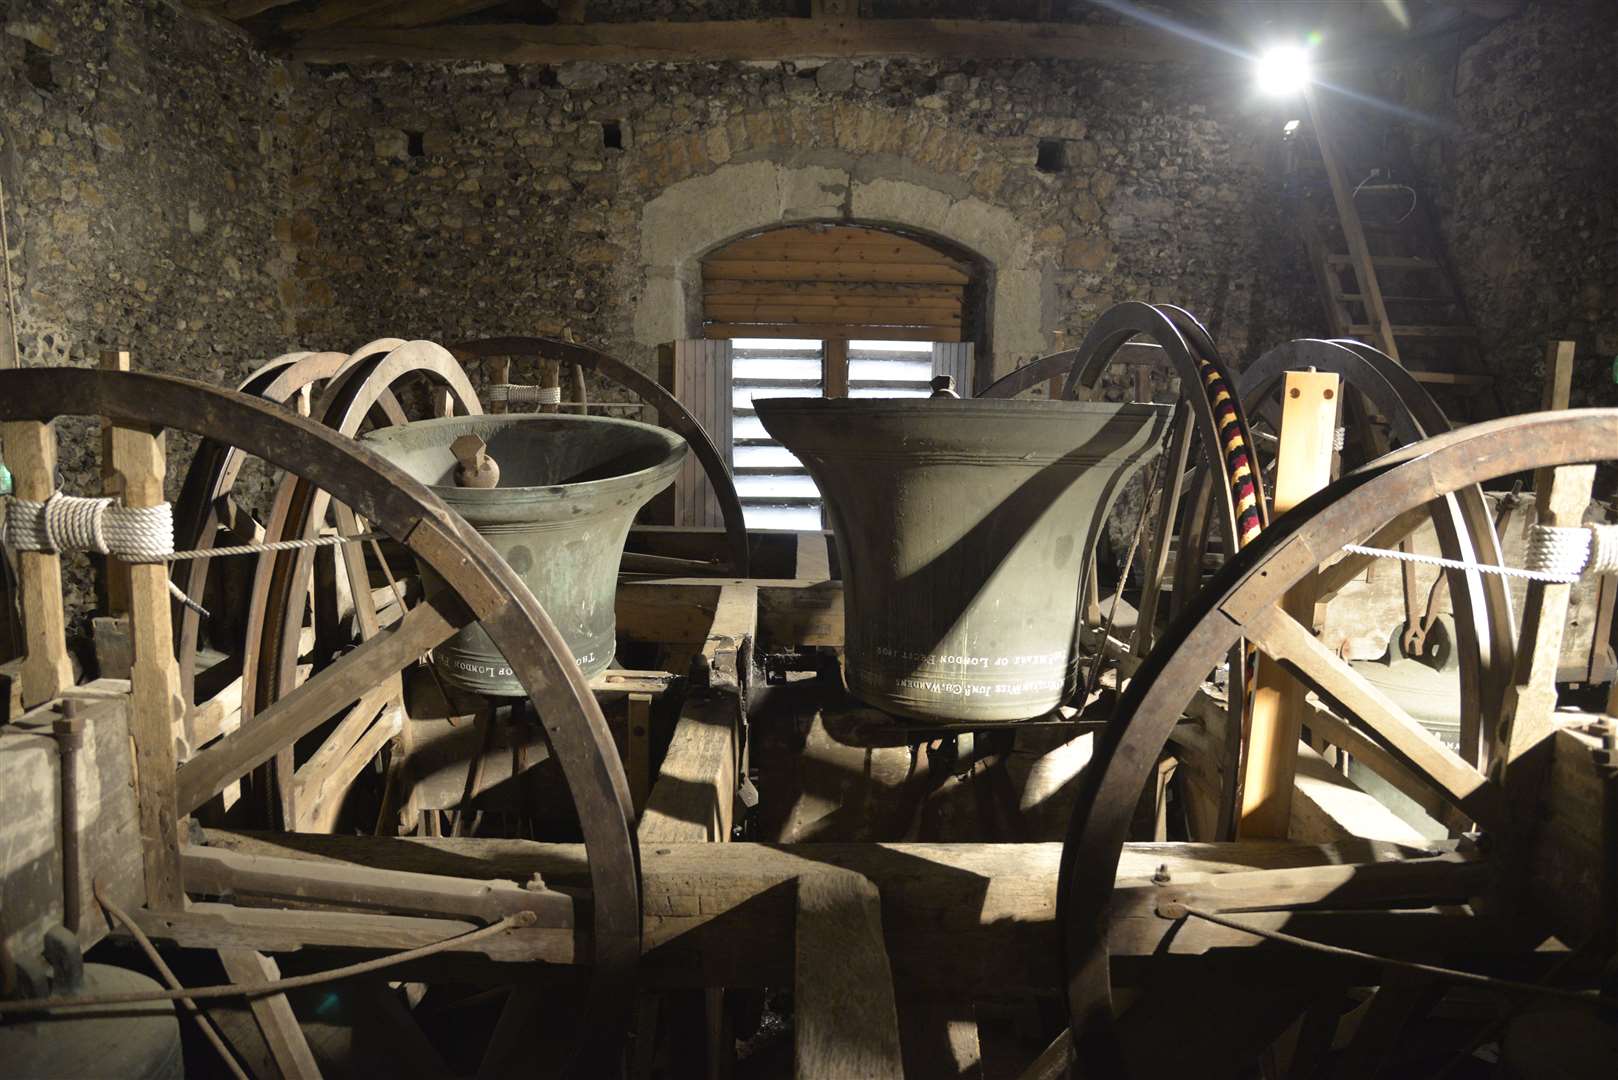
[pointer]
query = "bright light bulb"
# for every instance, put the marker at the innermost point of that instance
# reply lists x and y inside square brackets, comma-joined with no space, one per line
[1282,71]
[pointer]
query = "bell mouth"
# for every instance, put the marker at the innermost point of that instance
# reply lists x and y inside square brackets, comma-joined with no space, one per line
[542,457]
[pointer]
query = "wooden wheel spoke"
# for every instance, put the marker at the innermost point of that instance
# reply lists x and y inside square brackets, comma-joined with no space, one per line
[1291,644]
[1352,565]
[313,703]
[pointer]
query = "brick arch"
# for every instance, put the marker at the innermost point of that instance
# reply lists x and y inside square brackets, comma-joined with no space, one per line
[845,163]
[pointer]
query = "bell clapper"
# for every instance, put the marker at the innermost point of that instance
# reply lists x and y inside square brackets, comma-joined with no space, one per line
[474,468]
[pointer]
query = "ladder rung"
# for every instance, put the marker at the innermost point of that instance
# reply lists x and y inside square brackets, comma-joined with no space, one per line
[1421,331]
[1453,378]
[1390,262]
[1355,297]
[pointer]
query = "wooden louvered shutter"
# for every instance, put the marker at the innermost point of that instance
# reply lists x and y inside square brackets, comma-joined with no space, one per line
[698,373]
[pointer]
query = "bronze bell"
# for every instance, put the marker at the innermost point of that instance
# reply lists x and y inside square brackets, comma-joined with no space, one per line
[964,529]
[555,494]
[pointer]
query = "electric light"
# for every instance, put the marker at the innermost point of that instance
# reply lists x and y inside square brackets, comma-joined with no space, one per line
[1282,71]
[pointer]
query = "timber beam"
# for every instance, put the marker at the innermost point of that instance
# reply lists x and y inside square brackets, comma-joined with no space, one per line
[748,39]
[953,915]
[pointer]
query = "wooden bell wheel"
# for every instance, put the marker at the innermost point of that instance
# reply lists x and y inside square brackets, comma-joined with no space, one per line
[670,412]
[1209,416]
[280,609]
[1242,601]
[206,502]
[478,586]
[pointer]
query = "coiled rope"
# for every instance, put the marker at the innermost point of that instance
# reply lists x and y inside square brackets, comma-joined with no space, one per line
[134,534]
[1556,555]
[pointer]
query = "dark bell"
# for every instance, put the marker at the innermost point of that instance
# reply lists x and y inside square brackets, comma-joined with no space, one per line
[964,529]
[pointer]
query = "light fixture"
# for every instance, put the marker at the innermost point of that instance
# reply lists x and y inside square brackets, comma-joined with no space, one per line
[1282,71]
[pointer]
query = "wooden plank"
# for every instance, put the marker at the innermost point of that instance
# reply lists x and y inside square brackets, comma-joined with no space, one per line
[273,1012]
[845,1022]
[919,273]
[333,13]
[638,750]
[1283,637]
[30,453]
[156,703]
[814,557]
[832,245]
[752,39]
[312,704]
[723,912]
[316,783]
[694,797]
[117,572]
[735,622]
[727,331]
[1310,402]
[828,291]
[401,14]
[874,314]
[221,872]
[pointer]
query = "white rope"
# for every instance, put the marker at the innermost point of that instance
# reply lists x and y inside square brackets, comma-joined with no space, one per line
[1556,555]
[69,523]
[550,395]
[1338,438]
[134,534]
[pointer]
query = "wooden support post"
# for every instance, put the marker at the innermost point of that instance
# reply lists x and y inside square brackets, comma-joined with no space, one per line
[117,573]
[1560,498]
[550,378]
[273,1012]
[813,562]
[845,1019]
[581,395]
[499,374]
[157,706]
[639,750]
[834,368]
[1308,432]
[46,669]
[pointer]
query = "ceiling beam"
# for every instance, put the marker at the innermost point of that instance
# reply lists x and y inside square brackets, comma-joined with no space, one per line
[750,39]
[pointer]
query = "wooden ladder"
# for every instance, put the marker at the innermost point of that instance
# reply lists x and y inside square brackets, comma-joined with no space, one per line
[1381,269]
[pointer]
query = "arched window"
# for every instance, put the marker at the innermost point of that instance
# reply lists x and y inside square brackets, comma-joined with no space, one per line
[834,310]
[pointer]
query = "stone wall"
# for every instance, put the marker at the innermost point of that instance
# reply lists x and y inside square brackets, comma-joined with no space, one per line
[451,200]
[1524,181]
[144,161]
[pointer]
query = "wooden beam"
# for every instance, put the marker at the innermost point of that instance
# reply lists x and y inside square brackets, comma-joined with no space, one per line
[870,331]
[1310,402]
[979,915]
[845,1022]
[694,797]
[157,705]
[401,14]
[30,450]
[753,39]
[312,704]
[115,571]
[1304,654]
[735,624]
[273,1012]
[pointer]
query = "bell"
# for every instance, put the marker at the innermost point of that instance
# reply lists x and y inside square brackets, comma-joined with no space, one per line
[555,494]
[964,529]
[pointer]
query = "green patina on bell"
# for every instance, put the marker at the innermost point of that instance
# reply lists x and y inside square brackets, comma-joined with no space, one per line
[964,530]
[568,488]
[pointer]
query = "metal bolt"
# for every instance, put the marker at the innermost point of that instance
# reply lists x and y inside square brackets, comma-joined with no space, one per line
[1162,876]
